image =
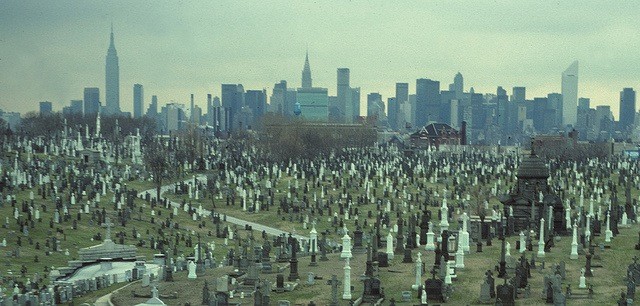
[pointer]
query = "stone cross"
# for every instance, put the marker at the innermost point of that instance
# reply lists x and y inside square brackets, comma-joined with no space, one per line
[334,282]
[107,223]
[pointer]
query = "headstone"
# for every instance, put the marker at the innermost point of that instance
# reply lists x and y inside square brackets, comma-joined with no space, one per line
[192,270]
[145,280]
[311,278]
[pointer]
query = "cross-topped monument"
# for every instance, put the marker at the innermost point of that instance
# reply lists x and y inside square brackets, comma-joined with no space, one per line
[334,282]
[108,224]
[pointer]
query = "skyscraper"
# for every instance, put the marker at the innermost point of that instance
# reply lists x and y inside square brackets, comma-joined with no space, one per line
[112,78]
[392,113]
[502,104]
[76,107]
[402,92]
[554,102]
[374,101]
[539,110]
[584,103]
[138,100]
[91,101]
[46,108]
[401,102]
[458,85]
[583,119]
[627,109]
[256,100]
[427,101]
[570,95]
[278,100]
[306,73]
[355,101]
[233,101]
[519,94]
[152,110]
[344,95]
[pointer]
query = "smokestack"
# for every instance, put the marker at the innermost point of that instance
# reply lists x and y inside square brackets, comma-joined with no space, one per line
[463,132]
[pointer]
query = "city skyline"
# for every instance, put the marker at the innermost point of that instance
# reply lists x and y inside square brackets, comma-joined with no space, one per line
[53,54]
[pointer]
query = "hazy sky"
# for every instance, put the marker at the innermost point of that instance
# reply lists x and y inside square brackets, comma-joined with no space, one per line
[51,50]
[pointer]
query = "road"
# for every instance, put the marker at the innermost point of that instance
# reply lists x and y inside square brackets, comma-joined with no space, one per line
[105,300]
[256,226]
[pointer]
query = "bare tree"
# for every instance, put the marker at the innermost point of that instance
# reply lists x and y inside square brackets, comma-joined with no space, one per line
[156,160]
[287,139]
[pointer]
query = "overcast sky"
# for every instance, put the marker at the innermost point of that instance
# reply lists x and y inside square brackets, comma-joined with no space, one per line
[51,50]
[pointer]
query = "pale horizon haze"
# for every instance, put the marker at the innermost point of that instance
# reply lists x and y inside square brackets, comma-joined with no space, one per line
[52,50]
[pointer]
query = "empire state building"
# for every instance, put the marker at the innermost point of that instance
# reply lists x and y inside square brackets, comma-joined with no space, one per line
[112,78]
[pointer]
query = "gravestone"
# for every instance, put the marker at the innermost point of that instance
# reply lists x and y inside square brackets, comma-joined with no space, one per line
[506,293]
[279,283]
[310,278]
[383,260]
[334,283]
[221,298]
[372,290]
[435,288]
[485,292]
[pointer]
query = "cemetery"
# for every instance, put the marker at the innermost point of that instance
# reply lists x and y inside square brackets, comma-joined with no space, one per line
[379,225]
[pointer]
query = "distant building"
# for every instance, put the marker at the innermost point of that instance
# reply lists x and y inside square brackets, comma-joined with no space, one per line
[458,85]
[402,92]
[584,119]
[454,111]
[570,95]
[91,101]
[138,100]
[196,115]
[427,101]
[355,102]
[554,102]
[519,94]
[75,108]
[112,79]
[627,110]
[392,113]
[603,122]
[344,95]
[375,107]
[314,104]
[584,103]
[256,100]
[220,117]
[46,108]
[278,101]
[400,107]
[539,114]
[233,101]
[306,73]
[152,110]
[12,119]
[173,117]
[434,135]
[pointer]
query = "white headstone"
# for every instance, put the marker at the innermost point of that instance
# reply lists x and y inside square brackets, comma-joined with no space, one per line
[192,270]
